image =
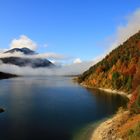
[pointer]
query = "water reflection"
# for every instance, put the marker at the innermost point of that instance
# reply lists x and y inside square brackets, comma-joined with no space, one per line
[50,108]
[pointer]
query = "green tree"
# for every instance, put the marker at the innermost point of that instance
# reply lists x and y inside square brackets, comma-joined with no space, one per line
[129,83]
[115,80]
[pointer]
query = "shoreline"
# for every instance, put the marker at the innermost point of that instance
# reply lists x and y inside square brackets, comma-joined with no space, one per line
[118,127]
[107,129]
[86,132]
[115,92]
[111,91]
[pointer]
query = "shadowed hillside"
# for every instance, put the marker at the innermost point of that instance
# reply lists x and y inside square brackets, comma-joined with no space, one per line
[24,60]
[6,75]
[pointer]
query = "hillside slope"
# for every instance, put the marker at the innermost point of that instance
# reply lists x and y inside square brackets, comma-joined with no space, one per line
[6,75]
[119,70]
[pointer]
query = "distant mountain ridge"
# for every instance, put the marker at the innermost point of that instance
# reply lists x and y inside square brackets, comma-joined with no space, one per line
[25,61]
[24,50]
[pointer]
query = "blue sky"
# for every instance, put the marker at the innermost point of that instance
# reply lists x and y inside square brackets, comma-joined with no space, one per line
[74,28]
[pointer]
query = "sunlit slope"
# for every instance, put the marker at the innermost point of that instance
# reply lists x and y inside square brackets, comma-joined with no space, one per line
[118,70]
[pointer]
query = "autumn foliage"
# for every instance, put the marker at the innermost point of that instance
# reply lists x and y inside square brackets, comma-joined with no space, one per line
[119,70]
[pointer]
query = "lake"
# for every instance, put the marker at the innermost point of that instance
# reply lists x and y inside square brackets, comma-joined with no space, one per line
[50,108]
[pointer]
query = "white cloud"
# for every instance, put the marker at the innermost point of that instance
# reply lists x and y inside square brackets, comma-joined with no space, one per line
[53,61]
[77,61]
[3,50]
[22,42]
[49,56]
[125,31]
[71,69]
[77,68]
[43,55]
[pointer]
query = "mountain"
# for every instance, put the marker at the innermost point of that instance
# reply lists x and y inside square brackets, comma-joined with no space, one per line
[25,61]
[22,50]
[119,70]
[6,75]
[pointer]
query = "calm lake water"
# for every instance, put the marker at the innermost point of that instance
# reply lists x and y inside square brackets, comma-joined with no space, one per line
[50,108]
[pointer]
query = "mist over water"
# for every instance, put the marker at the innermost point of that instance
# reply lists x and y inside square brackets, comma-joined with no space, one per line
[50,108]
[71,69]
[21,67]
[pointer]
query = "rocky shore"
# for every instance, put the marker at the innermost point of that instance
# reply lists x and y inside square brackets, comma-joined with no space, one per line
[117,127]
[109,130]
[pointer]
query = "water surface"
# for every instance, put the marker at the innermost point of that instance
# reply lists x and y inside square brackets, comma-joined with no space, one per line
[50,108]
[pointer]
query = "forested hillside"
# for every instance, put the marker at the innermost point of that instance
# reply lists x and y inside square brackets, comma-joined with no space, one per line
[119,70]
